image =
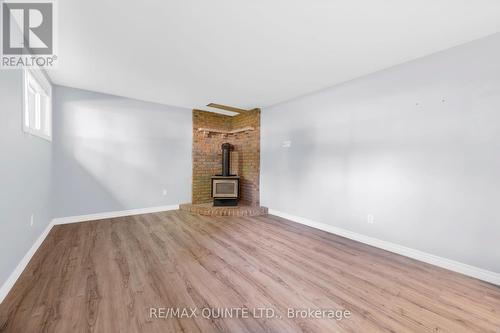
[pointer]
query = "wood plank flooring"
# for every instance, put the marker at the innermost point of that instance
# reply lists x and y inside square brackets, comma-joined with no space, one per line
[105,276]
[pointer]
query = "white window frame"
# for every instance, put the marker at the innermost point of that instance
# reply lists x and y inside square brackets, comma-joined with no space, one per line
[34,80]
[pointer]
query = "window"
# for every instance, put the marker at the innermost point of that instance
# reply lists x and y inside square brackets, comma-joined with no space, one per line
[37,117]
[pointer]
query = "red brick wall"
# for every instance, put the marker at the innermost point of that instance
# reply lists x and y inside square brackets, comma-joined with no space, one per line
[207,155]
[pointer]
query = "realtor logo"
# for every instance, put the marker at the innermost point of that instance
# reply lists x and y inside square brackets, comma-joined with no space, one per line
[27,34]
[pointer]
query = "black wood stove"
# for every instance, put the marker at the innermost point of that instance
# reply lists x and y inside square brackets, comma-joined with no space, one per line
[226,187]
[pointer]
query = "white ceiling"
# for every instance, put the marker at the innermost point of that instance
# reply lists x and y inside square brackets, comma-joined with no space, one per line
[251,53]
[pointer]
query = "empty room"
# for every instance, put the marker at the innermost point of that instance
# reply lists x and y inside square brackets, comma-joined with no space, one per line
[249,166]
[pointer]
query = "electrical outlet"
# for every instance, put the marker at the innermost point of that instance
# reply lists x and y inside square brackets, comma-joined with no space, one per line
[370,219]
[164,192]
[286,144]
[32,219]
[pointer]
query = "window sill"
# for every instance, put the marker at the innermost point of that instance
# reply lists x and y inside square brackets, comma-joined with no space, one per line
[37,134]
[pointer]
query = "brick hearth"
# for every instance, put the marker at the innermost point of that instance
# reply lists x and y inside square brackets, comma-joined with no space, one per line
[209,210]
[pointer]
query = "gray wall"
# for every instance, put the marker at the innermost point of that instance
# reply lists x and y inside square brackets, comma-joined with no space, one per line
[25,178]
[113,153]
[416,146]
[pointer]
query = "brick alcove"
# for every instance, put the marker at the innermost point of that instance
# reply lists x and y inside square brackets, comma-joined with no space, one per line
[207,155]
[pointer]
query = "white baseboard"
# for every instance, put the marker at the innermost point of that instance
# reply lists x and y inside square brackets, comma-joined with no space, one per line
[109,215]
[449,264]
[7,286]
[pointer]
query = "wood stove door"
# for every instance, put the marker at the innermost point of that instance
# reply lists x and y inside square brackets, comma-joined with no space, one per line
[225,188]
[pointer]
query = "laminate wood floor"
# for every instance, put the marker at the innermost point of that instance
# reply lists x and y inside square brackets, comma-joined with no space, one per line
[112,275]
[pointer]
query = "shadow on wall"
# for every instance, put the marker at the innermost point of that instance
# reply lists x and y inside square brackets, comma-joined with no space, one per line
[419,171]
[113,153]
[71,196]
[324,173]
[295,161]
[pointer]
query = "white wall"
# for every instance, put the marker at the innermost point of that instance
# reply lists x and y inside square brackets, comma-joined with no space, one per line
[25,178]
[417,146]
[113,153]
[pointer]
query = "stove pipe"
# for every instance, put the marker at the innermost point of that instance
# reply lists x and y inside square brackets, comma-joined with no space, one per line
[226,159]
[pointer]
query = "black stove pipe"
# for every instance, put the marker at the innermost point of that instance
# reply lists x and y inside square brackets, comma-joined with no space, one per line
[226,159]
